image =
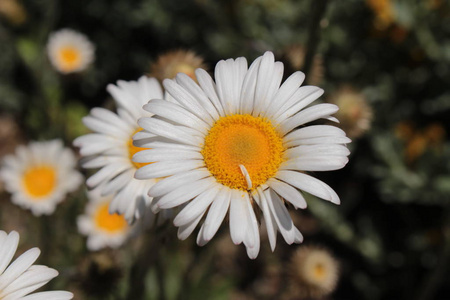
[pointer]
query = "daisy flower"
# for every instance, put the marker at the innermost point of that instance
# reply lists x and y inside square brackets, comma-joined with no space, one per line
[313,272]
[21,277]
[237,144]
[40,175]
[102,228]
[69,51]
[110,147]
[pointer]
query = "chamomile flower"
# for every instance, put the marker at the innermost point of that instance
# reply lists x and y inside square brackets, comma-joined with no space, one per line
[236,144]
[102,228]
[110,147]
[70,51]
[168,65]
[21,277]
[40,175]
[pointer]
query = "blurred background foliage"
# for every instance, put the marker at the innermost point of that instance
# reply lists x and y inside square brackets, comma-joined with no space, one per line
[391,234]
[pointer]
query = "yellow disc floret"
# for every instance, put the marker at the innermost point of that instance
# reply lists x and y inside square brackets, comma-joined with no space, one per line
[132,150]
[109,222]
[39,181]
[69,58]
[242,140]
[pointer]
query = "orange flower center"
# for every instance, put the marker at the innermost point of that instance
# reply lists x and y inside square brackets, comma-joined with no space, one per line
[69,57]
[242,140]
[39,181]
[132,150]
[109,222]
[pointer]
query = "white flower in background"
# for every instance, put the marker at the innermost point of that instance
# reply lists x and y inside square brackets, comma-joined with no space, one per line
[40,175]
[102,228]
[110,147]
[224,146]
[70,51]
[21,277]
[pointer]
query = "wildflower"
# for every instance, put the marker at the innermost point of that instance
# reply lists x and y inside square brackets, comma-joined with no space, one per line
[70,51]
[355,114]
[313,272]
[170,64]
[233,144]
[40,175]
[110,147]
[102,228]
[22,277]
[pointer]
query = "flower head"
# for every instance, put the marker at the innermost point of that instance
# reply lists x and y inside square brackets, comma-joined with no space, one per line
[21,277]
[314,272]
[102,228]
[355,114]
[70,51]
[171,63]
[236,144]
[40,175]
[110,147]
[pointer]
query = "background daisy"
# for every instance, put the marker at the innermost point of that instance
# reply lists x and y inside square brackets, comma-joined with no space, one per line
[70,51]
[225,146]
[21,277]
[40,175]
[110,147]
[102,228]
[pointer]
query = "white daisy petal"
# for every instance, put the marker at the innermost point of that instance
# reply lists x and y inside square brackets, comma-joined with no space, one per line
[209,87]
[163,169]
[238,216]
[315,163]
[184,193]
[281,216]
[195,208]
[53,295]
[287,192]
[308,184]
[271,224]
[163,154]
[248,88]
[307,115]
[217,212]
[184,231]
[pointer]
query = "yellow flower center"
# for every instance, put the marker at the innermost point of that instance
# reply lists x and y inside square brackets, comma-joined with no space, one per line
[39,181]
[242,140]
[111,223]
[69,57]
[132,150]
[319,271]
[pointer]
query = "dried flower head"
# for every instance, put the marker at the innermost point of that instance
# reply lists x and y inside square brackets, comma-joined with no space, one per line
[295,55]
[313,272]
[355,114]
[168,65]
[13,11]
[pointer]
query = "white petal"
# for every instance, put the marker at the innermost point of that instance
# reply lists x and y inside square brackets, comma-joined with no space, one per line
[268,218]
[164,154]
[315,163]
[238,216]
[166,168]
[20,265]
[166,185]
[52,295]
[281,216]
[217,212]
[307,115]
[195,208]
[186,192]
[209,87]
[287,192]
[308,184]
[7,249]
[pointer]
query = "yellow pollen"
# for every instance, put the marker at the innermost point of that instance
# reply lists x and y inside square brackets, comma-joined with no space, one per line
[319,271]
[106,221]
[132,150]
[69,58]
[242,140]
[39,181]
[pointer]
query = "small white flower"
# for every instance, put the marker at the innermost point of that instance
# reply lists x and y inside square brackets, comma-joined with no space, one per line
[70,51]
[102,228]
[227,145]
[21,277]
[110,147]
[40,175]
